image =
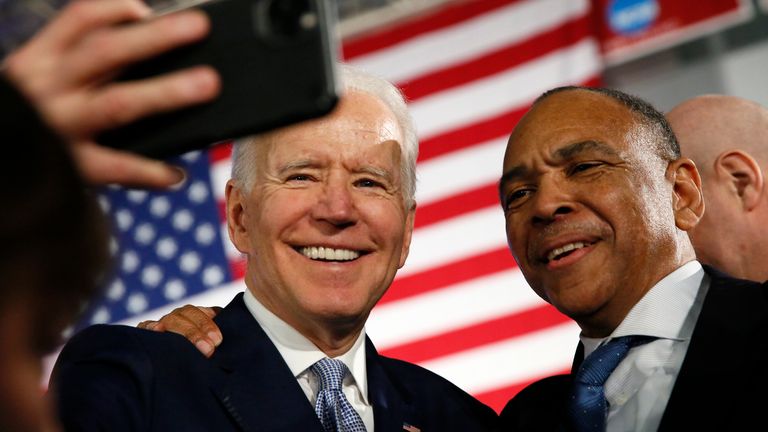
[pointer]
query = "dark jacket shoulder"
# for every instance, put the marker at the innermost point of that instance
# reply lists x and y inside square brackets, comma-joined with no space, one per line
[415,379]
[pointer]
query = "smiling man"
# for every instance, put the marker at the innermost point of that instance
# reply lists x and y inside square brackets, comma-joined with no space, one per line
[323,212]
[598,202]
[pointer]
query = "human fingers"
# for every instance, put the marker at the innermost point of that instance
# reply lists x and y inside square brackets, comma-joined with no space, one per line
[102,165]
[119,103]
[104,51]
[80,17]
[195,325]
[151,325]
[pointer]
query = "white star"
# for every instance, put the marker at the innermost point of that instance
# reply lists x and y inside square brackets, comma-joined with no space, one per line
[191,156]
[101,316]
[151,276]
[175,289]
[183,219]
[145,233]
[166,248]
[130,261]
[137,196]
[124,219]
[198,192]
[104,203]
[212,275]
[137,303]
[160,206]
[116,290]
[204,234]
[190,262]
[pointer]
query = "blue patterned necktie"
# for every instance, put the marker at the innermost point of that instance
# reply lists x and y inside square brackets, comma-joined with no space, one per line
[332,407]
[587,408]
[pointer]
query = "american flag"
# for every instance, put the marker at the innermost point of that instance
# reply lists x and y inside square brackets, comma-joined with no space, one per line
[460,307]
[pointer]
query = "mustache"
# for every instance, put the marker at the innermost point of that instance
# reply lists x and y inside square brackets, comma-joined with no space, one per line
[560,229]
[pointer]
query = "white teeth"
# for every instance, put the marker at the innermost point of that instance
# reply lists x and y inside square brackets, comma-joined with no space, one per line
[566,248]
[329,254]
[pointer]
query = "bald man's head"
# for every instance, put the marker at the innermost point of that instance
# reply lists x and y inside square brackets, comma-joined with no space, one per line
[727,138]
[710,124]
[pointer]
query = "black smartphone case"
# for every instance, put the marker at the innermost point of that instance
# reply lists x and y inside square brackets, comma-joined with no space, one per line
[277,62]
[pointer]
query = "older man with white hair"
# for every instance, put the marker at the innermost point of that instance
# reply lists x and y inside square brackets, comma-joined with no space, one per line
[323,212]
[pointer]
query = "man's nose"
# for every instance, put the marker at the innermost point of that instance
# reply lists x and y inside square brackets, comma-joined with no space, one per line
[336,203]
[551,201]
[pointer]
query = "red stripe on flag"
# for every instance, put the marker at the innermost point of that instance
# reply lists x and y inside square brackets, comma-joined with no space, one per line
[509,57]
[467,136]
[220,152]
[392,35]
[487,332]
[222,208]
[498,398]
[238,266]
[458,204]
[449,274]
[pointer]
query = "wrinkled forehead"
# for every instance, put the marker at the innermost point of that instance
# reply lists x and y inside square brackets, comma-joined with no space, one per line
[362,133]
[359,120]
[571,117]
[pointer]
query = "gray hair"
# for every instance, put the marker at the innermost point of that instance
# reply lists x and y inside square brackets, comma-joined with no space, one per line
[244,155]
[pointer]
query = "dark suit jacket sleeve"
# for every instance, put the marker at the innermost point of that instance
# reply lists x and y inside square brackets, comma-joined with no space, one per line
[102,381]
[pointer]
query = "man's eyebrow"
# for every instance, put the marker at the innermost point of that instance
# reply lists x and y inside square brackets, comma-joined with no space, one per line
[571,150]
[562,154]
[296,164]
[377,172]
[513,174]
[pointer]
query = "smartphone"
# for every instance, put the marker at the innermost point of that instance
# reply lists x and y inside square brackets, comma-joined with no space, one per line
[277,62]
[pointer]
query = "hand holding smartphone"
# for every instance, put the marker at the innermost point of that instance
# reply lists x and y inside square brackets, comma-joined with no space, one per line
[277,63]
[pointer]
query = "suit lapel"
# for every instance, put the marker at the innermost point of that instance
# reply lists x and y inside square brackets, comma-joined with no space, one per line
[251,379]
[392,404]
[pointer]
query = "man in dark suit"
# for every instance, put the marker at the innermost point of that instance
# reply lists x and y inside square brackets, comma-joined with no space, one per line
[598,203]
[323,212]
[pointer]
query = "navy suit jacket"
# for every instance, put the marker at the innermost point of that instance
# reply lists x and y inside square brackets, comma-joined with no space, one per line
[118,378]
[722,382]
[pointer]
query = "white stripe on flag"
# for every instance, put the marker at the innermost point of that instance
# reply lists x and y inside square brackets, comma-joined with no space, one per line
[512,361]
[456,238]
[458,43]
[450,308]
[483,98]
[459,171]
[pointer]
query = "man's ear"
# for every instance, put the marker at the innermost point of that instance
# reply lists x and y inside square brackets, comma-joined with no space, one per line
[236,217]
[409,224]
[688,200]
[743,174]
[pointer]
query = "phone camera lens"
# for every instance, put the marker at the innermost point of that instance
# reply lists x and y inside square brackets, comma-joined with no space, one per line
[287,18]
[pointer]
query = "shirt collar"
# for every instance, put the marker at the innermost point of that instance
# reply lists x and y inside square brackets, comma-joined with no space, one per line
[662,310]
[299,352]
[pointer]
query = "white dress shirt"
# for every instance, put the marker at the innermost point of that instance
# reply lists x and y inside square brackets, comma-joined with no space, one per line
[638,389]
[300,353]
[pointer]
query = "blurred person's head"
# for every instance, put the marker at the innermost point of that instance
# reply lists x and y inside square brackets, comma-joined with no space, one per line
[727,138]
[53,250]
